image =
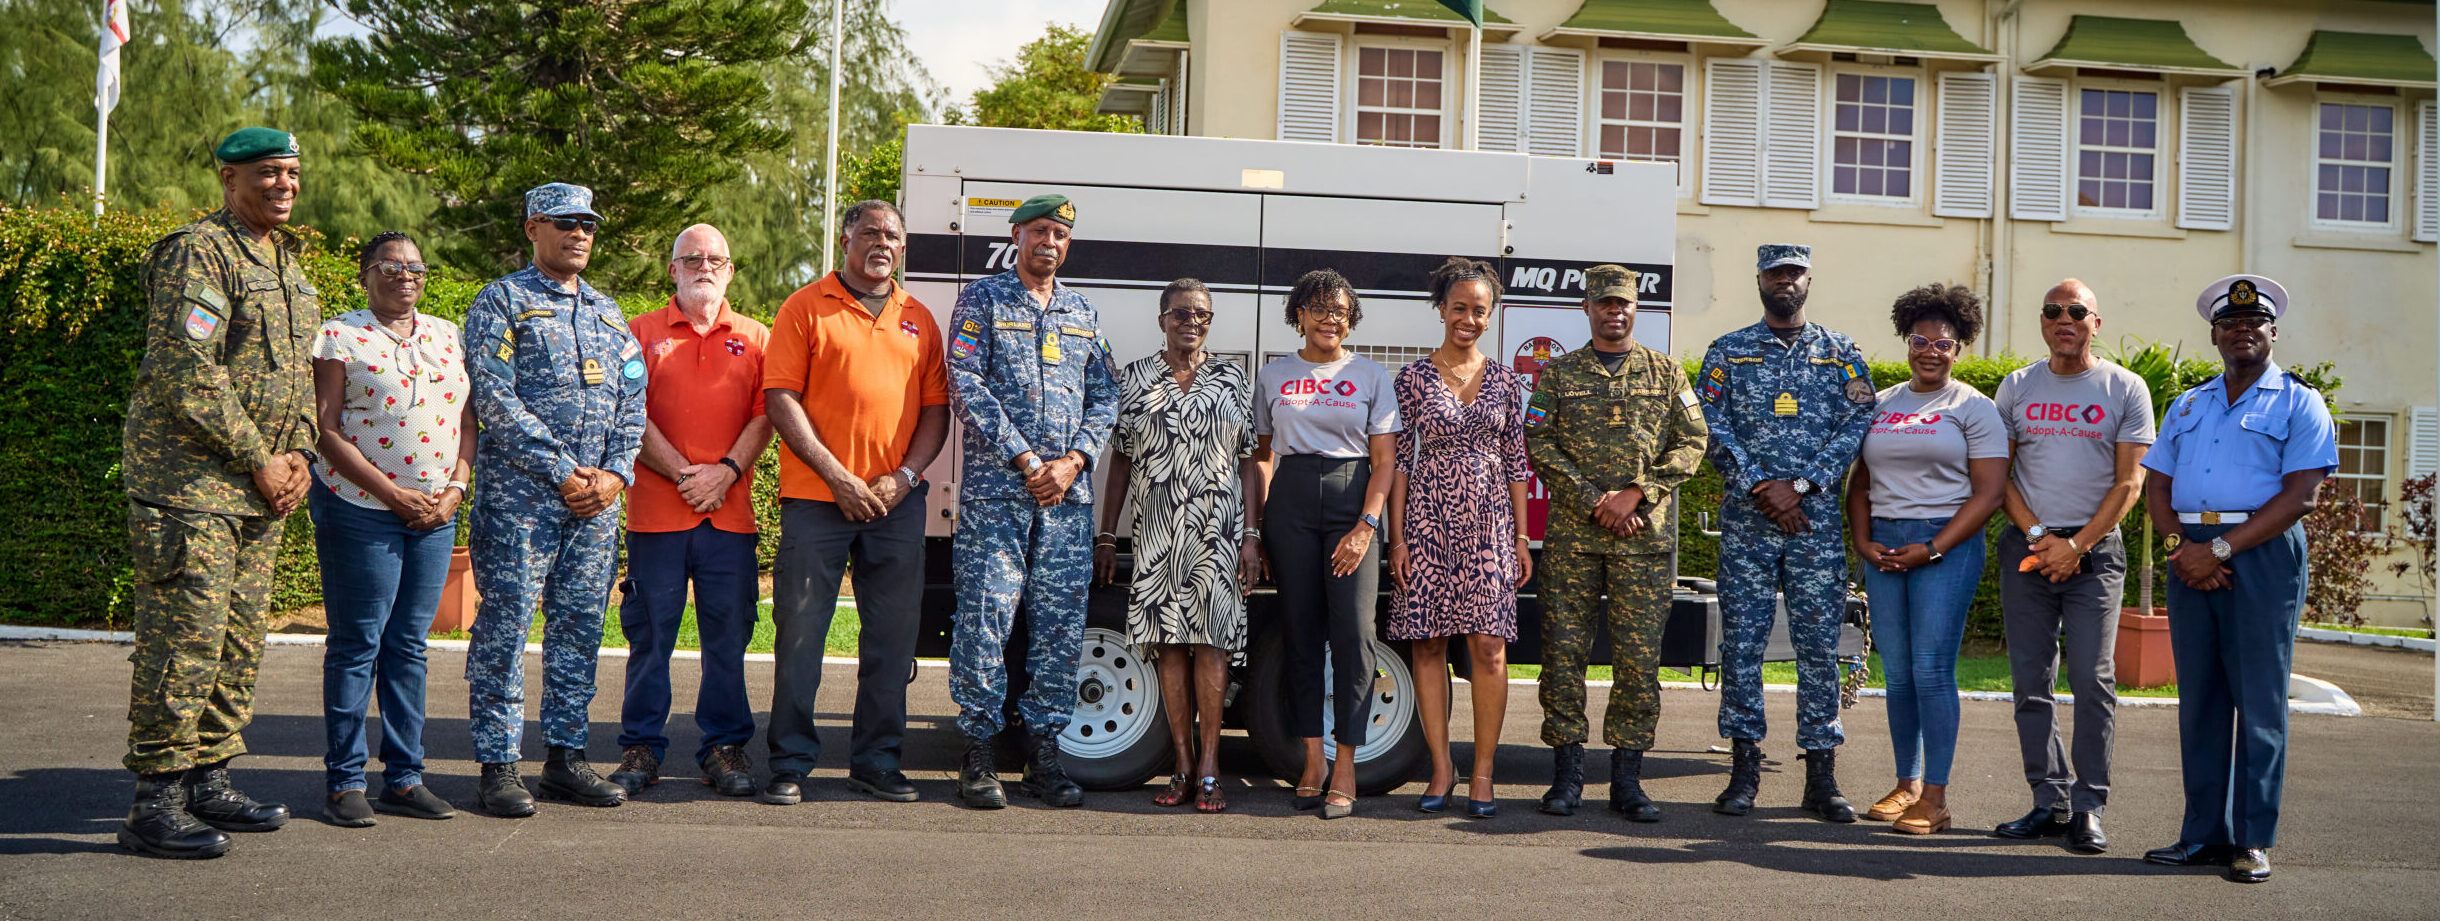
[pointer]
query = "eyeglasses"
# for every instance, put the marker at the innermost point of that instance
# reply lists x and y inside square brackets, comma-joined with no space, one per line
[1320,312]
[1194,317]
[2073,311]
[395,269]
[2240,323]
[1943,346]
[572,223]
[699,262]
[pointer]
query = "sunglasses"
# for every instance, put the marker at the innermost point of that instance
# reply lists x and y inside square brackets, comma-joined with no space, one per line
[1943,346]
[2240,323]
[575,223]
[395,269]
[699,262]
[1184,315]
[2073,311]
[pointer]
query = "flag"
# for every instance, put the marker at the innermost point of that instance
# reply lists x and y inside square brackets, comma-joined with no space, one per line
[1471,9]
[114,34]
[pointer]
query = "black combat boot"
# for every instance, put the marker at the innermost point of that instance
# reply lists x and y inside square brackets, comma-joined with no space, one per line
[158,823]
[567,776]
[1821,787]
[1627,787]
[211,797]
[978,778]
[1744,779]
[502,792]
[1566,780]
[1045,779]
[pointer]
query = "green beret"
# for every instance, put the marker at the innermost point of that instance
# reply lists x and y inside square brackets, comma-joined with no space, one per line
[251,144]
[1054,206]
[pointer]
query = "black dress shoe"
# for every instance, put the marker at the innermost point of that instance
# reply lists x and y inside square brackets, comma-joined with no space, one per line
[891,785]
[2188,854]
[2252,865]
[2042,822]
[2084,834]
[786,788]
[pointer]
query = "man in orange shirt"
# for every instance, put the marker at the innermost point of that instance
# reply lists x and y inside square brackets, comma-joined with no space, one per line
[852,492]
[690,516]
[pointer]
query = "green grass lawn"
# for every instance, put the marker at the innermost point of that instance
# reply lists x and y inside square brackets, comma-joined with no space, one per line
[1974,673]
[2377,631]
[842,639]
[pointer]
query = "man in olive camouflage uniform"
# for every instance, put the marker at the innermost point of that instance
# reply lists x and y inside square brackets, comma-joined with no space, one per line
[215,456]
[1613,429]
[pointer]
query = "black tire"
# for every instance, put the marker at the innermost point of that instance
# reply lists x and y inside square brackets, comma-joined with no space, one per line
[1266,720]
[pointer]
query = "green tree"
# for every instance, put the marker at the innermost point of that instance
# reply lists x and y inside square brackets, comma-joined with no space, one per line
[183,92]
[1048,86]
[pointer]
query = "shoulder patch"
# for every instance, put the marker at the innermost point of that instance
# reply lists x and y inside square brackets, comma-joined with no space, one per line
[1686,398]
[1715,384]
[201,322]
[207,296]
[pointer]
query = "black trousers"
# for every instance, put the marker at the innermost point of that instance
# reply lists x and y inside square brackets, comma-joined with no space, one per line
[816,544]
[1314,501]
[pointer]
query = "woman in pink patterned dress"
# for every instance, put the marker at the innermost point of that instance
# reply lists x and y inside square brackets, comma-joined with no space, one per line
[1457,538]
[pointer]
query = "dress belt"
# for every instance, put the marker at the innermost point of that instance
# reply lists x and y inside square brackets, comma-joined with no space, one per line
[2212,517]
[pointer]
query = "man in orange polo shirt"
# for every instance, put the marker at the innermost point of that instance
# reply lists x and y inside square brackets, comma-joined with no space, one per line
[690,516]
[852,492]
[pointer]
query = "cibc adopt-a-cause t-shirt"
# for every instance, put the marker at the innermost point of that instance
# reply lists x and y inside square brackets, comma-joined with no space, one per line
[2067,428]
[1330,408]
[1919,446]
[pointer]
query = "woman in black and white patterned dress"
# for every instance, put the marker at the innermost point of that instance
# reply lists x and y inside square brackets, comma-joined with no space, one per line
[1183,450]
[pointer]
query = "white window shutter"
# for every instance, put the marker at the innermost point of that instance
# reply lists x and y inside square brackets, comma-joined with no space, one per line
[1792,134]
[1177,98]
[1555,102]
[1309,86]
[1962,154]
[2423,440]
[2038,178]
[2427,173]
[1501,104]
[2207,158]
[1732,132]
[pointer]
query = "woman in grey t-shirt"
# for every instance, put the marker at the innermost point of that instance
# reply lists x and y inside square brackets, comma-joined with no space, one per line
[1324,425]
[1933,469]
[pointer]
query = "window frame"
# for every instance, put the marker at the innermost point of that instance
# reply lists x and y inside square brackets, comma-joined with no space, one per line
[2164,126]
[1689,111]
[1918,142]
[1452,78]
[2380,505]
[2399,138]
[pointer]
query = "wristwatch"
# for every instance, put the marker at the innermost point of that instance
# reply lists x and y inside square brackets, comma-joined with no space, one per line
[459,485]
[2220,550]
[2170,542]
[1253,532]
[1801,485]
[2037,532]
[909,475]
[1936,555]
[1371,520]
[733,468]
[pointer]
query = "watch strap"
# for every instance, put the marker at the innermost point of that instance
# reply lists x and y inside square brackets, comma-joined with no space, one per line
[733,468]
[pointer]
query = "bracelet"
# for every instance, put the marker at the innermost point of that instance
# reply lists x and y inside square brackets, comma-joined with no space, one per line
[733,468]
[1111,535]
[1528,538]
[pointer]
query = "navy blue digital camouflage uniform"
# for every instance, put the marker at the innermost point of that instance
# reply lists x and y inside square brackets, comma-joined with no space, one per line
[1781,411]
[537,350]
[1024,377]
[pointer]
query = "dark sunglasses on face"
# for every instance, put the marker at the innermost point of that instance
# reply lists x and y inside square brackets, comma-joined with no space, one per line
[2073,311]
[2240,323]
[395,269]
[1943,346]
[1195,317]
[572,223]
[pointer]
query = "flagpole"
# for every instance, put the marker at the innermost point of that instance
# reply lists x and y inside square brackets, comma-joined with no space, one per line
[101,154]
[830,156]
[1474,83]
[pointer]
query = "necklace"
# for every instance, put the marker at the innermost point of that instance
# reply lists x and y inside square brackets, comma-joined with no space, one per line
[1458,383]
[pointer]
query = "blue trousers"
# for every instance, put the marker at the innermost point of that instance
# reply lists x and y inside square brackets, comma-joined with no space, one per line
[537,555]
[381,584]
[1918,620]
[1011,551]
[1758,563]
[659,566]
[2233,649]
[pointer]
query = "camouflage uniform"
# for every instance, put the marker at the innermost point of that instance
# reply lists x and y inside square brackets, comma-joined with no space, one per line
[1025,377]
[1783,411]
[226,385]
[558,384]
[1590,433]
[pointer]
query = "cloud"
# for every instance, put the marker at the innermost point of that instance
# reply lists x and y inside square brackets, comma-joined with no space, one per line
[955,38]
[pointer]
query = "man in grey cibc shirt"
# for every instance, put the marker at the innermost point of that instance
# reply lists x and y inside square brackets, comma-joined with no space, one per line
[2077,430]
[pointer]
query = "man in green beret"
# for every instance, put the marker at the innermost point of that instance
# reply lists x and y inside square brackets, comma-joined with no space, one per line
[215,455]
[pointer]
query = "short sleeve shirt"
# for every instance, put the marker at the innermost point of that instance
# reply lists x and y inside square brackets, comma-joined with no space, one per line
[2067,429]
[1920,444]
[406,396]
[865,378]
[2224,457]
[1331,408]
[701,390]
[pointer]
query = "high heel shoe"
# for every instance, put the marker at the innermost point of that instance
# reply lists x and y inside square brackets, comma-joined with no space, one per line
[1482,809]
[1434,803]
[1303,802]
[1335,810]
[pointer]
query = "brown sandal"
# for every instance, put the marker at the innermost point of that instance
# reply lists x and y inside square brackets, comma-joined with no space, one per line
[1208,797]
[1173,794]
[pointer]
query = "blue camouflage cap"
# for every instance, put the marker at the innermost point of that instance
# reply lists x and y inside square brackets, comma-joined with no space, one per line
[560,199]
[1769,256]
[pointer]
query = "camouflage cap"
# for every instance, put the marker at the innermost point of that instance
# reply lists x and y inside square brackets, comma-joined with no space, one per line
[1609,281]
[1053,206]
[2242,296]
[247,145]
[560,199]
[1769,256]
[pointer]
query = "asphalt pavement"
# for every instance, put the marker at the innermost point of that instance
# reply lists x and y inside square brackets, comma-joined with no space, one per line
[2356,837]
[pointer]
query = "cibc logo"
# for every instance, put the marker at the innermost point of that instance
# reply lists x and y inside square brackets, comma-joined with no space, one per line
[1317,385]
[2089,413]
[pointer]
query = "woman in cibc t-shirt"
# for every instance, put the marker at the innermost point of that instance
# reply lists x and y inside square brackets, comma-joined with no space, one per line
[1933,470]
[1325,421]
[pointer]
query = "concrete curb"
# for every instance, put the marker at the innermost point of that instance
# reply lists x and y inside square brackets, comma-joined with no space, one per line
[2305,695]
[2320,635]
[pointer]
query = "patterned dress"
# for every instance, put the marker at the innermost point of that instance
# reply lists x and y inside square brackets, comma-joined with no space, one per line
[1184,445]
[1460,530]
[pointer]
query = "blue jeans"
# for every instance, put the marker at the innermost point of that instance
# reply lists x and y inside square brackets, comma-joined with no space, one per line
[659,566]
[1918,620]
[381,584]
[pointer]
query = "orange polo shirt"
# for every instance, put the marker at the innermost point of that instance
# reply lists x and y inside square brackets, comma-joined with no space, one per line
[700,391]
[865,378]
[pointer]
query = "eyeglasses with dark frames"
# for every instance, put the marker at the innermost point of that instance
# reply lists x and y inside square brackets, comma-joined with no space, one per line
[574,223]
[2073,311]
[395,269]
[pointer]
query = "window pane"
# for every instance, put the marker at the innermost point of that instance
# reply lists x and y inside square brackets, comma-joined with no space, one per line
[1368,126]
[2091,131]
[1673,78]
[1902,121]
[2088,192]
[1672,109]
[1639,107]
[1613,75]
[1401,94]
[2139,167]
[2329,117]
[2379,152]
[2358,118]
[1644,77]
[2381,118]
[1899,183]
[2088,164]
[2326,206]
[2117,133]
[2376,433]
[1665,143]
[1401,63]
[2117,105]
[2145,134]
[2139,196]
[2351,208]
[2146,105]
[1869,183]
[2330,141]
[1427,130]
[1614,141]
[2356,147]
[1902,91]
[2376,209]
[1370,92]
[1850,87]
[1849,119]
[1876,90]
[1876,120]
[1844,181]
[1427,95]
[1427,64]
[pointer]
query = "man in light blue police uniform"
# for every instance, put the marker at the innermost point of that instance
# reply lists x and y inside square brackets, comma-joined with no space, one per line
[1031,380]
[559,388]
[1787,402]
[2236,468]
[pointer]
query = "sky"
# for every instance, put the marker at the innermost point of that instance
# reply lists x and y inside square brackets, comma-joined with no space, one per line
[955,38]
